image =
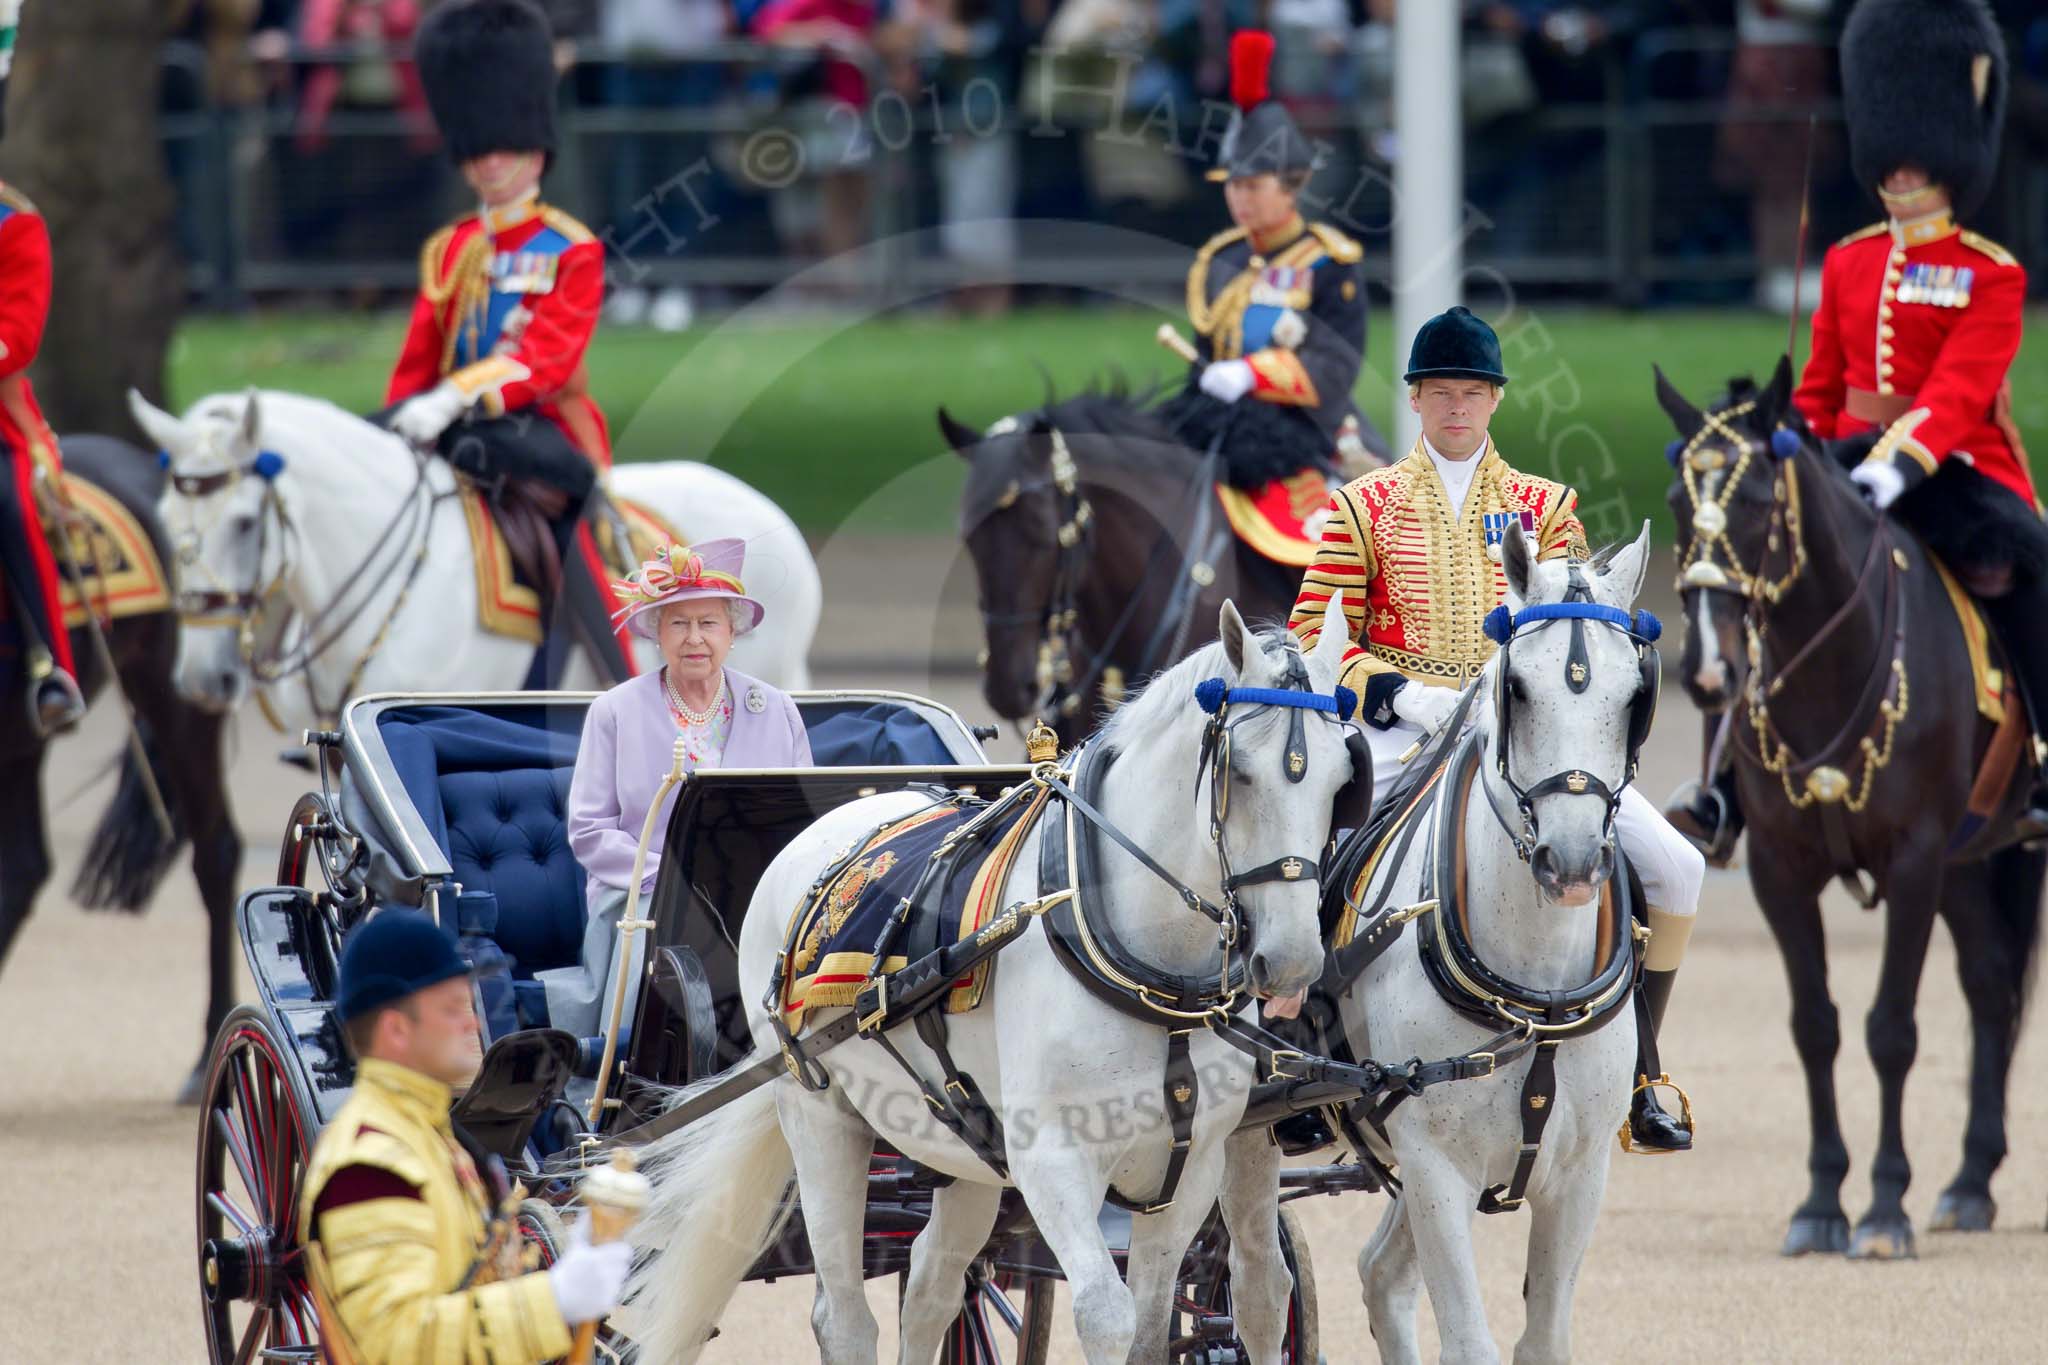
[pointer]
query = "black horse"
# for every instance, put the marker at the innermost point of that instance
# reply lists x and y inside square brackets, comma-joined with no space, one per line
[128,853]
[1826,629]
[1102,552]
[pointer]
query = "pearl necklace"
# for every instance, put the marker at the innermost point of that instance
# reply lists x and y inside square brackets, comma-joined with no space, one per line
[682,709]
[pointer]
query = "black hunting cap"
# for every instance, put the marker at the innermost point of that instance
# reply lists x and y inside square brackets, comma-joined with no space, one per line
[391,955]
[1455,345]
[489,70]
[1924,84]
[1263,137]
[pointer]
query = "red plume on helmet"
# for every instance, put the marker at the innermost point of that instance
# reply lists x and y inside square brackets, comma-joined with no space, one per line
[1251,61]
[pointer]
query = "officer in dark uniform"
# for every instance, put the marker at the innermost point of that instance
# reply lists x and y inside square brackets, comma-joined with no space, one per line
[1918,323]
[1278,304]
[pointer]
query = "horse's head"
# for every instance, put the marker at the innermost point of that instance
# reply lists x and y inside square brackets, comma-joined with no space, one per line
[1573,691]
[1020,516]
[227,544]
[1732,498]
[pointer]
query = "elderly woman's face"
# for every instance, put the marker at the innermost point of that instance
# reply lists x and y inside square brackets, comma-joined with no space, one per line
[695,637]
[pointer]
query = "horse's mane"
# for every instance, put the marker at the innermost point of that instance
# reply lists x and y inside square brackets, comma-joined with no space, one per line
[1136,724]
[1118,426]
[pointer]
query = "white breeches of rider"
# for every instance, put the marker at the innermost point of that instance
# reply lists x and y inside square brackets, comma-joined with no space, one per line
[1671,869]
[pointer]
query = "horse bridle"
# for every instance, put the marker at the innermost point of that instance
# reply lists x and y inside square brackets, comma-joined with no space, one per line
[241,609]
[1502,626]
[1056,619]
[1698,567]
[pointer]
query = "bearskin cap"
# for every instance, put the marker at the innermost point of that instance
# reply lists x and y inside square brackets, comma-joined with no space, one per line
[489,70]
[1924,84]
[1263,137]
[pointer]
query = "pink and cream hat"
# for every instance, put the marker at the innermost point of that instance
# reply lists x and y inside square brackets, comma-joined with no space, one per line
[680,573]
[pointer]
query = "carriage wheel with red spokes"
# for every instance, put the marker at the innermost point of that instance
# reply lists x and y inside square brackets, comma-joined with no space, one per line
[256,1130]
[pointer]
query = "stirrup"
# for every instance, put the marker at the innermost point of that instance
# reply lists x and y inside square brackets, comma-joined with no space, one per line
[64,709]
[1662,1082]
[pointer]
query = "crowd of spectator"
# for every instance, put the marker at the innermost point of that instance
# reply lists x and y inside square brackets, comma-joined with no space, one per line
[952,85]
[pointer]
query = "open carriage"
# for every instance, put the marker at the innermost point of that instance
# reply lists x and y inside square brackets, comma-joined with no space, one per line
[427,796]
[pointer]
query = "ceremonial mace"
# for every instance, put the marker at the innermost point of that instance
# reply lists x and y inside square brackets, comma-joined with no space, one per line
[614,1194]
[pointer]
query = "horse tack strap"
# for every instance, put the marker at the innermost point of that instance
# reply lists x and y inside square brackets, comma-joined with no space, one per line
[1539,1090]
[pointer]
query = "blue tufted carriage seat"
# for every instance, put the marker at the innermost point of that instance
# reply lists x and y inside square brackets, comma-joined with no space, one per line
[491,786]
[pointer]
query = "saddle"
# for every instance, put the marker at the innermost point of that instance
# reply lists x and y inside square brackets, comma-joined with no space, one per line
[116,562]
[892,899]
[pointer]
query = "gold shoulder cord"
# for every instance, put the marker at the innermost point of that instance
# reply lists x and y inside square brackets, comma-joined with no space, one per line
[467,282]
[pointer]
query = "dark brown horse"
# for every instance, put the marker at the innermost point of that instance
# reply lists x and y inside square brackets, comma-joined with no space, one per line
[128,853]
[1826,629]
[1102,555]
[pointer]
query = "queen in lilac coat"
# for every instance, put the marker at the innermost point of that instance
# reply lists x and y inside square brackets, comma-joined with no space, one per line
[692,604]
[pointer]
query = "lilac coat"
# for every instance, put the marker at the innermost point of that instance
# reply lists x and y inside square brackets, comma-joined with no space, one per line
[629,743]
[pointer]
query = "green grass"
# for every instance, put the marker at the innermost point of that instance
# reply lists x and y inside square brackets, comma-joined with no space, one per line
[833,418]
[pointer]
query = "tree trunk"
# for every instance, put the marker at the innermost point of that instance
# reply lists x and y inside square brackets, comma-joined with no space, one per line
[81,141]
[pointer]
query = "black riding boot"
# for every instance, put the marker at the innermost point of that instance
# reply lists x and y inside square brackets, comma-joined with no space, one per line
[2021,619]
[1650,1127]
[1707,814]
[54,701]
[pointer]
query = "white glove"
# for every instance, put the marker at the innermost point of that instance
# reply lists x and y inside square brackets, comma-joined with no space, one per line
[1289,330]
[1879,482]
[588,1280]
[422,418]
[1426,707]
[1228,380]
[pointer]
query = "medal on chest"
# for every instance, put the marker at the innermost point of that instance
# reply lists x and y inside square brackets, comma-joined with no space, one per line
[1496,524]
[1942,286]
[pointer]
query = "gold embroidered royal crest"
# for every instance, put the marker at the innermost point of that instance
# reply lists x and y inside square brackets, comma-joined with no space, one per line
[839,904]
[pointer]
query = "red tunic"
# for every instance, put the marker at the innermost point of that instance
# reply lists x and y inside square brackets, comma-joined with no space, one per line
[528,292]
[1916,328]
[24,307]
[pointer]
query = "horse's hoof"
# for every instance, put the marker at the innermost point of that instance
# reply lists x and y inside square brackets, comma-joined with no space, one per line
[1883,1239]
[1964,1211]
[194,1088]
[1823,1234]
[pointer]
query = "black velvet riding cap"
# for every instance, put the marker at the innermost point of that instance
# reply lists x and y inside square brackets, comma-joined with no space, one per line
[390,956]
[1455,345]
[489,71]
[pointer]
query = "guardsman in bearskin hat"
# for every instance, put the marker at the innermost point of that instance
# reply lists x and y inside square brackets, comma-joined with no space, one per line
[1414,548]
[54,702]
[1278,305]
[1918,322]
[492,373]
[406,1247]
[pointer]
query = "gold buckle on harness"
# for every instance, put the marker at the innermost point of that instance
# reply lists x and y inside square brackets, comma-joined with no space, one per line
[1662,1082]
[867,1022]
[1282,1056]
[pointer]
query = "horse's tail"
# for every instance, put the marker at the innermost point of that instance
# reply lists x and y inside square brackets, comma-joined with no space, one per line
[129,851]
[721,1197]
[2016,878]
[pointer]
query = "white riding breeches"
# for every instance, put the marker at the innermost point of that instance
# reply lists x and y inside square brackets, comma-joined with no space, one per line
[1671,869]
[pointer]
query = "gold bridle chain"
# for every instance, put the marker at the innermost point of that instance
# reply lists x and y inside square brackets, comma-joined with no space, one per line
[1710,522]
[1777,758]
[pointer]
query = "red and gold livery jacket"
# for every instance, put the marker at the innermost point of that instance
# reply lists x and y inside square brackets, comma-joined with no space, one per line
[506,310]
[1240,294]
[1417,583]
[24,307]
[396,1222]
[1917,326]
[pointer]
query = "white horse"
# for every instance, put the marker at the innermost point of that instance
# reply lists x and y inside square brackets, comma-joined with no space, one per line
[360,536]
[1077,1083]
[1460,1138]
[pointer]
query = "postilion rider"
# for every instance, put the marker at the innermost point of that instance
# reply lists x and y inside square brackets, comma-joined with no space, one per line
[30,450]
[1913,340]
[492,372]
[1278,307]
[405,1250]
[1415,550]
